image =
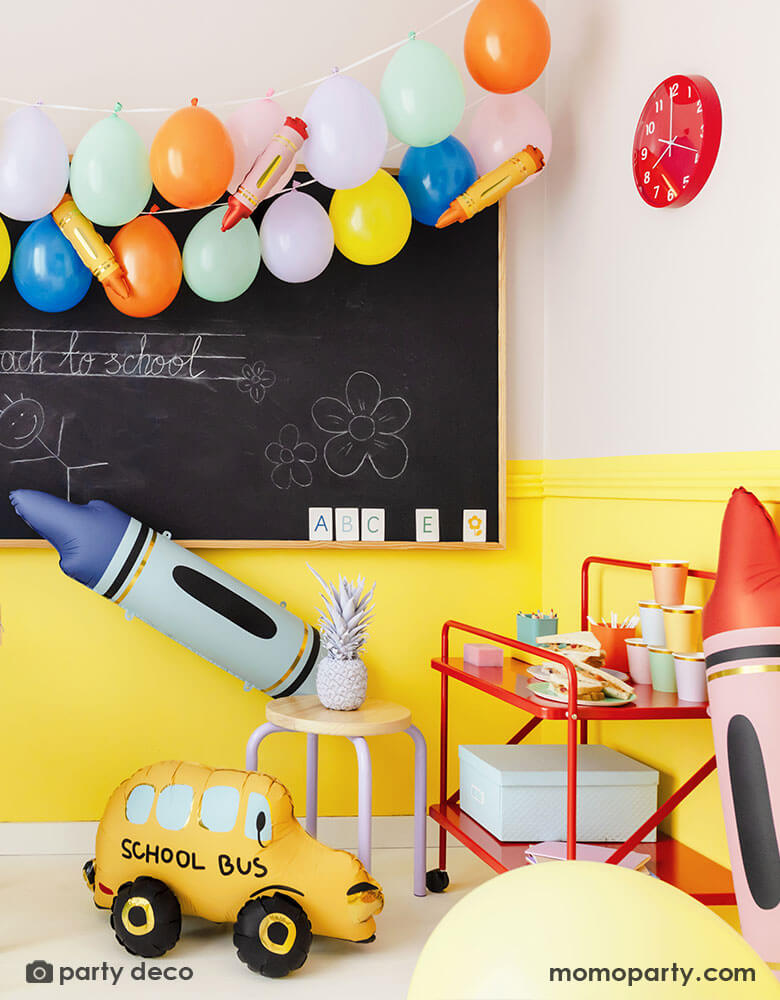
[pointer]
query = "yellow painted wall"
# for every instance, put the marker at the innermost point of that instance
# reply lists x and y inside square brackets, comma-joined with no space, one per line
[87,697]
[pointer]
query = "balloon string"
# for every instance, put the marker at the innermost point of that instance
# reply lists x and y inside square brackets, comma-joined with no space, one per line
[295,185]
[247,100]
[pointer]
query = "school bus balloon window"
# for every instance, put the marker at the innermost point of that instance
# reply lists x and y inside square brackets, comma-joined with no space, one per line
[174,807]
[139,803]
[219,808]
[258,819]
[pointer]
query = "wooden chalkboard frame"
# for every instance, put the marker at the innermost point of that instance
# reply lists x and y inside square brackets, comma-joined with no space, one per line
[449,545]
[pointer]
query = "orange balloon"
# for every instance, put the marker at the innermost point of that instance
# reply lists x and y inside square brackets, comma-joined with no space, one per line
[191,158]
[507,44]
[150,256]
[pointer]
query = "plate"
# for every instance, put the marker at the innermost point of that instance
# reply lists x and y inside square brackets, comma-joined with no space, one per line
[540,673]
[546,691]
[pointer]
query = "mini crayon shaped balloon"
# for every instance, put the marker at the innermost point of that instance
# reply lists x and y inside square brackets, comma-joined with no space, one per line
[269,173]
[173,590]
[490,187]
[92,249]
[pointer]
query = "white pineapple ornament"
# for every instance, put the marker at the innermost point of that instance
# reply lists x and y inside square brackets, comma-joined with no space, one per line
[342,677]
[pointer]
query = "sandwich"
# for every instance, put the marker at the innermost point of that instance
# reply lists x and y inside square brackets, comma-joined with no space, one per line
[583,644]
[587,688]
[611,686]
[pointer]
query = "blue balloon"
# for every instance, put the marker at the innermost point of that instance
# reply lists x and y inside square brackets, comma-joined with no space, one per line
[47,271]
[433,176]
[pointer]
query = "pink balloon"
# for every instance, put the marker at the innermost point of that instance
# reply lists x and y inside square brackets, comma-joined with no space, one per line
[503,125]
[251,128]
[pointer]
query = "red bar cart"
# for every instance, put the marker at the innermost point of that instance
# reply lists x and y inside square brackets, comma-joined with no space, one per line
[671,861]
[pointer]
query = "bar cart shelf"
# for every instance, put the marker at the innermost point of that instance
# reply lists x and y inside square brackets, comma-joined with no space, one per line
[671,861]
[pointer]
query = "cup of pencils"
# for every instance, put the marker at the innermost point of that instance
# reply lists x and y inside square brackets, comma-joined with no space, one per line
[530,626]
[612,635]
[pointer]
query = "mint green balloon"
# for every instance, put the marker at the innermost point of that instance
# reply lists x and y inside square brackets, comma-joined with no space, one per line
[422,94]
[110,178]
[221,266]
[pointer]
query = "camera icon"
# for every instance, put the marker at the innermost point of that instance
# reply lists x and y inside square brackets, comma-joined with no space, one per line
[40,972]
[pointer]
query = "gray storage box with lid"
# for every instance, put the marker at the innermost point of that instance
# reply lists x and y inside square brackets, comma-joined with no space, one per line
[518,793]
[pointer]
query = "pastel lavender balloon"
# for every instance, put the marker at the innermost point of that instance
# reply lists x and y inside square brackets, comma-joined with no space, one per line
[296,238]
[251,128]
[502,125]
[33,165]
[347,133]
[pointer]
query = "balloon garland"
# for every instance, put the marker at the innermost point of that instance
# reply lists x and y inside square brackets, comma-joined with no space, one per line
[342,136]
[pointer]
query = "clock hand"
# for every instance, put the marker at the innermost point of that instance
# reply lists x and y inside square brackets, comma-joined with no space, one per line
[662,154]
[672,136]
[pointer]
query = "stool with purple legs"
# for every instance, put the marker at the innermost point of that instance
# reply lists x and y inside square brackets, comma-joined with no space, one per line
[304,714]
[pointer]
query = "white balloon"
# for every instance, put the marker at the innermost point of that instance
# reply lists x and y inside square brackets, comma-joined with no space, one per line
[33,165]
[347,133]
[296,238]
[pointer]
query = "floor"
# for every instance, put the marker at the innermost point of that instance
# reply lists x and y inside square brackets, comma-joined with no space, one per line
[43,899]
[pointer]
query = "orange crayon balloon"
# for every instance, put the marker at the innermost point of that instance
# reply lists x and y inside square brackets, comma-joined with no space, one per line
[507,44]
[150,256]
[191,158]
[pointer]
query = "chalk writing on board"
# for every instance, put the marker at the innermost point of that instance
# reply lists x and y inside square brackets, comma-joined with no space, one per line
[256,380]
[364,428]
[22,423]
[292,459]
[114,354]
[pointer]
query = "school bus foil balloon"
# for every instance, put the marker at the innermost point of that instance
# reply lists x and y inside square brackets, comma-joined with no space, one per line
[183,839]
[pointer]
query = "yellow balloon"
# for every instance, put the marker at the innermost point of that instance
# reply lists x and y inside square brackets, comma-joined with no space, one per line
[572,929]
[5,250]
[371,223]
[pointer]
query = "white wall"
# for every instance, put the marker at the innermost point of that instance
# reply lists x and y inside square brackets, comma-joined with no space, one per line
[661,325]
[149,53]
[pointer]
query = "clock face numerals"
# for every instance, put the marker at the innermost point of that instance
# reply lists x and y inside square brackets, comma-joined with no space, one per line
[676,141]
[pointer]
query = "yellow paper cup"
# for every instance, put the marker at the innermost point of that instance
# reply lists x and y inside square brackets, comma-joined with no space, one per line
[662,669]
[638,661]
[682,624]
[669,579]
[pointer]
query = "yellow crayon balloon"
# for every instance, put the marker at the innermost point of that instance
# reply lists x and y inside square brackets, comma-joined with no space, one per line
[581,929]
[93,250]
[5,250]
[372,222]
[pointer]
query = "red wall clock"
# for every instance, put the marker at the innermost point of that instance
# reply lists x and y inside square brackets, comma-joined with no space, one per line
[676,141]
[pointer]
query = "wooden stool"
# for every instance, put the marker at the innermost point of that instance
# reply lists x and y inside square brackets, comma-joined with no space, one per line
[305,714]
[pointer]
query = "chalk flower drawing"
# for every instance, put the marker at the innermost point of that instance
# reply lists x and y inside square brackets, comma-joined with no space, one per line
[364,427]
[292,459]
[256,379]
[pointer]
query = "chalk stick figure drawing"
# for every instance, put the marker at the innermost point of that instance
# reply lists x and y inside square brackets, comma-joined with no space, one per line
[292,459]
[364,427]
[256,379]
[21,426]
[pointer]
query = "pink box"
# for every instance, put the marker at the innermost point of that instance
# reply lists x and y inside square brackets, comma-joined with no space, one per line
[482,654]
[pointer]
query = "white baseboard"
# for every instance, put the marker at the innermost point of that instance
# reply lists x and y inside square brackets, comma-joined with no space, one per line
[79,838]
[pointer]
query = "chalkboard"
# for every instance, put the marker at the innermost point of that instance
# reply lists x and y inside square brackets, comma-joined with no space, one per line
[224,423]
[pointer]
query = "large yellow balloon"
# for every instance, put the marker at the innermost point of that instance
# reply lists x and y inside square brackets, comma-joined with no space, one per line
[572,929]
[5,250]
[372,222]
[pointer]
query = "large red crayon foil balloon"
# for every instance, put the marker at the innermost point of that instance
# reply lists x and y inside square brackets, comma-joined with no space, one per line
[191,158]
[742,646]
[151,259]
[507,44]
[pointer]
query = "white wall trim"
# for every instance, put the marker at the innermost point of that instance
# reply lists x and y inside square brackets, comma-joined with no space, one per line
[79,838]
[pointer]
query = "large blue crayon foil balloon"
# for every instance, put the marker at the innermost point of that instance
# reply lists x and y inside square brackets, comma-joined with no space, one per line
[433,176]
[46,269]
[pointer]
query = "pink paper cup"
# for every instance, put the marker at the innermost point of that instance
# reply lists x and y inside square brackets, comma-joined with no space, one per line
[638,661]
[669,579]
[691,672]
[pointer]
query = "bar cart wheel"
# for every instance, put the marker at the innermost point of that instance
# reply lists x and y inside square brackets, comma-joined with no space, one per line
[436,880]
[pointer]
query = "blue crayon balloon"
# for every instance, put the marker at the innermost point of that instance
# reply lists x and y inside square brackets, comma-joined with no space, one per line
[433,176]
[46,269]
[181,595]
